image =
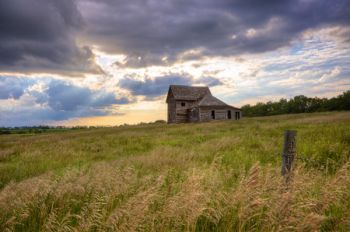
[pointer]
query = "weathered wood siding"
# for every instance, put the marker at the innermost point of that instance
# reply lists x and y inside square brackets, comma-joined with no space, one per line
[171,111]
[220,114]
[193,115]
[182,111]
[204,115]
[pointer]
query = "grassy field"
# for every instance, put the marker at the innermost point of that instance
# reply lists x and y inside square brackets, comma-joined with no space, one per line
[219,176]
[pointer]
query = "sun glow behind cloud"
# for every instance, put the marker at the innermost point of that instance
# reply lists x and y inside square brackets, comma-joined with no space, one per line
[313,65]
[133,116]
[304,68]
[113,69]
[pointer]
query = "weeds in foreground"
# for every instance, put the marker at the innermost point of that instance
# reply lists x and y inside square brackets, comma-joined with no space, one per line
[106,198]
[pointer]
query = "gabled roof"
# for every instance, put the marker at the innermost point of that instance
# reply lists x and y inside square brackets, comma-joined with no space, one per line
[201,95]
[210,100]
[183,92]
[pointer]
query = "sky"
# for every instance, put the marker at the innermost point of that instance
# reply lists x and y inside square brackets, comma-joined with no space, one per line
[110,62]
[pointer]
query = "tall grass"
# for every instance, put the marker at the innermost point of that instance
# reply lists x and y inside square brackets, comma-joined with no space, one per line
[221,176]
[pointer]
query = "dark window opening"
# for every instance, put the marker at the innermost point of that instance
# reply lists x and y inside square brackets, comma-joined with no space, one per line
[183,103]
[237,115]
[229,114]
[213,114]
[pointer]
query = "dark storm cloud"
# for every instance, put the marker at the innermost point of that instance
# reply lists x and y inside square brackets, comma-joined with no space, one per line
[157,32]
[63,96]
[39,36]
[155,87]
[210,81]
[59,95]
[29,116]
[58,100]
[67,97]
[13,87]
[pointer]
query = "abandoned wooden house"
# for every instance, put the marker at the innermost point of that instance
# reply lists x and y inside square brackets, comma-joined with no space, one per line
[197,104]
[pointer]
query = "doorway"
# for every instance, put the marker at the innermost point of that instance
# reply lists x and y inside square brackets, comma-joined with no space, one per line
[237,115]
[229,114]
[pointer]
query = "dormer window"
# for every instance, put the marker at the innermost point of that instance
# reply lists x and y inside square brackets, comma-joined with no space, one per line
[183,103]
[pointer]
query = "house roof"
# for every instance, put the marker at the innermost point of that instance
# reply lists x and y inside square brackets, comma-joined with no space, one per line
[183,92]
[201,95]
[210,100]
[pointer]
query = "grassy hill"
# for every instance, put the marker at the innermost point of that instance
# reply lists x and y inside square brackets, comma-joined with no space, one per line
[219,176]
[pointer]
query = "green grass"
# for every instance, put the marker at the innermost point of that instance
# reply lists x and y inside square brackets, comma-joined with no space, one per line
[218,176]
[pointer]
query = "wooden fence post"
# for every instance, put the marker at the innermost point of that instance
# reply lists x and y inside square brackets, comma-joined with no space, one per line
[289,151]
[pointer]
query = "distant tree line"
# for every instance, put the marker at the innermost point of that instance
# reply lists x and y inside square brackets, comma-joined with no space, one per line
[44,128]
[37,129]
[298,104]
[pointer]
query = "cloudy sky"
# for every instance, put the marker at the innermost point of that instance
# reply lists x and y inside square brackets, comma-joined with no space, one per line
[108,62]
